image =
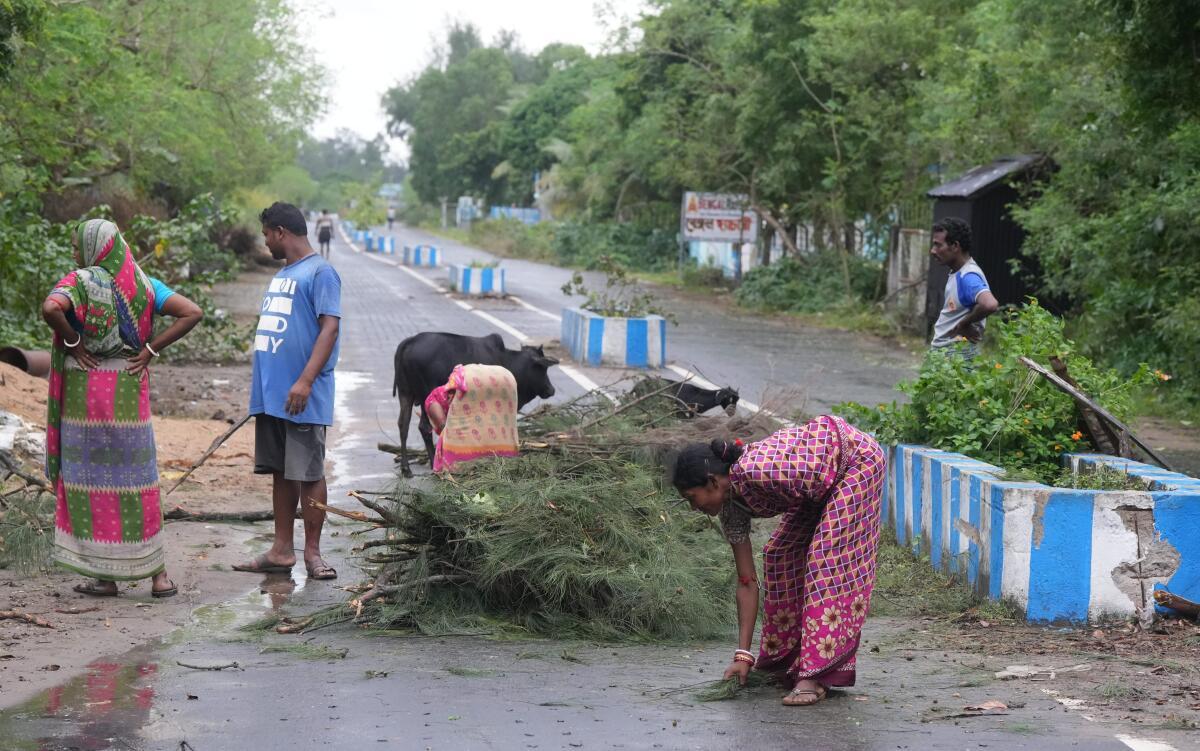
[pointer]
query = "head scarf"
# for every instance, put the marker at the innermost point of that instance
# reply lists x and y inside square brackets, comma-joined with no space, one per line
[113,306]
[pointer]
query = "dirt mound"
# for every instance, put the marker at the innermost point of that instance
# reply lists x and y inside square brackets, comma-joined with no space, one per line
[23,394]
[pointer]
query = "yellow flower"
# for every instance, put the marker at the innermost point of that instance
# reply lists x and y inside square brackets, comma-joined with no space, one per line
[999,366]
[1058,447]
[1026,420]
[159,249]
[983,402]
[1076,435]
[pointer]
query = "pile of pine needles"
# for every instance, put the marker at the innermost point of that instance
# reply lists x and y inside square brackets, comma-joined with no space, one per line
[579,537]
[26,517]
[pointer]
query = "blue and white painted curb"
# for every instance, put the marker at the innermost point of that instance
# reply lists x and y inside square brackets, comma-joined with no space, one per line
[477,281]
[620,342]
[421,255]
[1058,553]
[381,244]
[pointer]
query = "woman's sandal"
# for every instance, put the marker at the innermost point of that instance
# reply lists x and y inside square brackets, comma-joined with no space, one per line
[90,588]
[170,591]
[818,692]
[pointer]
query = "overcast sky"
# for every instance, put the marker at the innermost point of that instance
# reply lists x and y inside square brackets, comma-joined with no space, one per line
[369,45]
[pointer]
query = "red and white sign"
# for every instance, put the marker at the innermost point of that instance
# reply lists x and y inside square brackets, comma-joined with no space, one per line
[718,217]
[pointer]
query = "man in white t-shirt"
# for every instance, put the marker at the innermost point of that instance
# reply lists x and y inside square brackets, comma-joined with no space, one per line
[968,299]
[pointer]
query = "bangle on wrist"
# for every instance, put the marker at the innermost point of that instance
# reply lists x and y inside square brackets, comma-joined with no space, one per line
[73,345]
[151,349]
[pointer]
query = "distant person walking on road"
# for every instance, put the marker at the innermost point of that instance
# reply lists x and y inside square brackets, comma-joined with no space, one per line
[324,232]
[391,216]
[291,388]
[100,452]
[825,478]
[968,299]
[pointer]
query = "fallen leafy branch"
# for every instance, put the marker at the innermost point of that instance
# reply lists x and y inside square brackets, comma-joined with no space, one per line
[17,615]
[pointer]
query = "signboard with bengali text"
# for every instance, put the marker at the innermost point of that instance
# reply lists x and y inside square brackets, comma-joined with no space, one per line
[718,217]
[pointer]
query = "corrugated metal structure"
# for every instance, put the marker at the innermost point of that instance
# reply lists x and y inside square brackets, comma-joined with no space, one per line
[982,198]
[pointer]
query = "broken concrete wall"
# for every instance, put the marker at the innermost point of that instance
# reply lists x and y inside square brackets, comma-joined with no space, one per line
[1061,554]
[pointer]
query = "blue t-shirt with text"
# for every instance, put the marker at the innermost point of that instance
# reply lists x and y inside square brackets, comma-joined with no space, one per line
[287,331]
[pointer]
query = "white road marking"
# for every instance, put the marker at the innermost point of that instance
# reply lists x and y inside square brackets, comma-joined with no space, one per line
[521,337]
[535,309]
[1140,744]
[419,277]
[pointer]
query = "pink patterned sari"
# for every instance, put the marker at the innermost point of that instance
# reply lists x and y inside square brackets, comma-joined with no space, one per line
[825,478]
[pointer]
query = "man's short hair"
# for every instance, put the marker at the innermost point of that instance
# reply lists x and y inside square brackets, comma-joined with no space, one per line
[285,215]
[957,231]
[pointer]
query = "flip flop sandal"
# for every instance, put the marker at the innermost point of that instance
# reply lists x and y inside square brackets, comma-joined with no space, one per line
[797,692]
[261,565]
[170,591]
[93,590]
[322,572]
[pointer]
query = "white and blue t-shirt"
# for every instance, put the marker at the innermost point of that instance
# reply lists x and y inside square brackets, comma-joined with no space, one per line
[287,330]
[963,288]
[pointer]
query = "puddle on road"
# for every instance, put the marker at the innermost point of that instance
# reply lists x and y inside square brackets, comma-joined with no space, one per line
[111,700]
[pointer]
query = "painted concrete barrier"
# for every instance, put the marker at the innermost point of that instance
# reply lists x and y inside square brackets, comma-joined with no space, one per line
[477,281]
[621,342]
[381,244]
[1060,554]
[421,255]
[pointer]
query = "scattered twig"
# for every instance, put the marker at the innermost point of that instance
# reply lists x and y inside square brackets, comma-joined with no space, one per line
[612,413]
[222,666]
[76,611]
[216,444]
[17,615]
[357,516]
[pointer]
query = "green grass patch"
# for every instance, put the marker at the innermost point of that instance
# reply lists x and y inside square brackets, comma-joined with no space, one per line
[472,672]
[307,651]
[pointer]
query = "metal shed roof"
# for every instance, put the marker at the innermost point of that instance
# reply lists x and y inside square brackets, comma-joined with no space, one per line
[986,176]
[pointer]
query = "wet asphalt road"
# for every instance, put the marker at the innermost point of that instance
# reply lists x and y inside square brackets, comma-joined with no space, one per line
[468,692]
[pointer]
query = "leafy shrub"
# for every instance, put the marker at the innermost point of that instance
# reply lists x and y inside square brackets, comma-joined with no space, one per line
[638,248]
[809,283]
[34,254]
[706,276]
[513,238]
[620,298]
[994,408]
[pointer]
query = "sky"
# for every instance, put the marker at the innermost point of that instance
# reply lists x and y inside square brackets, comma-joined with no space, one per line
[370,45]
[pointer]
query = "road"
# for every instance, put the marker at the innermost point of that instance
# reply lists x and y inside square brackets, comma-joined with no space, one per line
[472,693]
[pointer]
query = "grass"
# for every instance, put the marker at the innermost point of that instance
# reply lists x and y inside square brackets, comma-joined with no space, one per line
[472,672]
[1119,691]
[907,585]
[307,651]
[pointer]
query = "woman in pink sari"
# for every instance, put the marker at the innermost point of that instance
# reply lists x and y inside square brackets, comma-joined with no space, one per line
[825,479]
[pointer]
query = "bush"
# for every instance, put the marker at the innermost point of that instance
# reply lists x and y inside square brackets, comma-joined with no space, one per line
[637,248]
[620,298]
[513,238]
[995,409]
[808,284]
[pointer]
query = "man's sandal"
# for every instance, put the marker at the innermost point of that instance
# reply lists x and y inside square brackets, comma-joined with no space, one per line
[261,565]
[797,693]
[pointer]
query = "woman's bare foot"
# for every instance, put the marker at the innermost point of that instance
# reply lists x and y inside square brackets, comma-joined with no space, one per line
[805,693]
[97,588]
[162,586]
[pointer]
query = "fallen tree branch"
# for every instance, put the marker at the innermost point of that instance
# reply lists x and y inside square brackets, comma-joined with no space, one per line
[1087,401]
[180,514]
[1178,604]
[613,413]
[357,516]
[380,590]
[17,615]
[216,444]
[11,466]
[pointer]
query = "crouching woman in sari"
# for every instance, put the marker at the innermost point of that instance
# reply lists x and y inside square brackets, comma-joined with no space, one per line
[474,415]
[825,479]
[100,452]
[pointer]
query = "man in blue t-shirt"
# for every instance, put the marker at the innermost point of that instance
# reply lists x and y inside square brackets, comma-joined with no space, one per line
[968,299]
[291,388]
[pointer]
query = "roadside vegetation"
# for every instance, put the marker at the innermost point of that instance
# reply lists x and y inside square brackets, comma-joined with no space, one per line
[834,119]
